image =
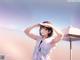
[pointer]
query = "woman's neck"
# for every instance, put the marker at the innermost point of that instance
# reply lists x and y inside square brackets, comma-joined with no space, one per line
[44,37]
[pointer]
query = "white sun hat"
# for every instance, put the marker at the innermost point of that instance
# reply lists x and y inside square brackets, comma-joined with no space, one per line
[46,24]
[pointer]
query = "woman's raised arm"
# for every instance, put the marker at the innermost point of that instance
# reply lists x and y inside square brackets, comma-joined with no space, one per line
[58,37]
[31,35]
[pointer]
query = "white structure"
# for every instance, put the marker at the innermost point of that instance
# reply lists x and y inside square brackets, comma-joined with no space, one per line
[71,34]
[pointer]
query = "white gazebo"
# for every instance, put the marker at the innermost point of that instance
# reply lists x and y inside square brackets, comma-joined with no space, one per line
[71,34]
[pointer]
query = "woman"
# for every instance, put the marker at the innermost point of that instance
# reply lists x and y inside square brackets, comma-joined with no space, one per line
[42,48]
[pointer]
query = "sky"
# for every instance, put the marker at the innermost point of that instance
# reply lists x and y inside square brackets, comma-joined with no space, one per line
[16,45]
[16,15]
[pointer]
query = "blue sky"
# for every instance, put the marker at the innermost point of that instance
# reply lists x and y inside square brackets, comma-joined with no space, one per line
[17,14]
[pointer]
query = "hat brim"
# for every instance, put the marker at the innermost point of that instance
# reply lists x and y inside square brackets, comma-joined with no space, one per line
[46,25]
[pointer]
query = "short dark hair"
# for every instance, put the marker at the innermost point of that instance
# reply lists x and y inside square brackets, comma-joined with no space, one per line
[47,22]
[48,28]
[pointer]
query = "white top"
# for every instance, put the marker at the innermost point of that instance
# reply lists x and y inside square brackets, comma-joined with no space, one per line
[41,50]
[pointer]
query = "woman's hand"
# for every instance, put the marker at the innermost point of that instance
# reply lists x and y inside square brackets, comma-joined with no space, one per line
[33,26]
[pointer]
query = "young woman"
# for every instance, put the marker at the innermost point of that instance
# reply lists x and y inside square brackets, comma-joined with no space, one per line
[42,48]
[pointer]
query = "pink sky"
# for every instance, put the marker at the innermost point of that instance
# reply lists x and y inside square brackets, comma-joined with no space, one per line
[15,45]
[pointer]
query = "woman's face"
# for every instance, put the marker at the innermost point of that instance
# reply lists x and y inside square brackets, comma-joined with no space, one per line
[44,32]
